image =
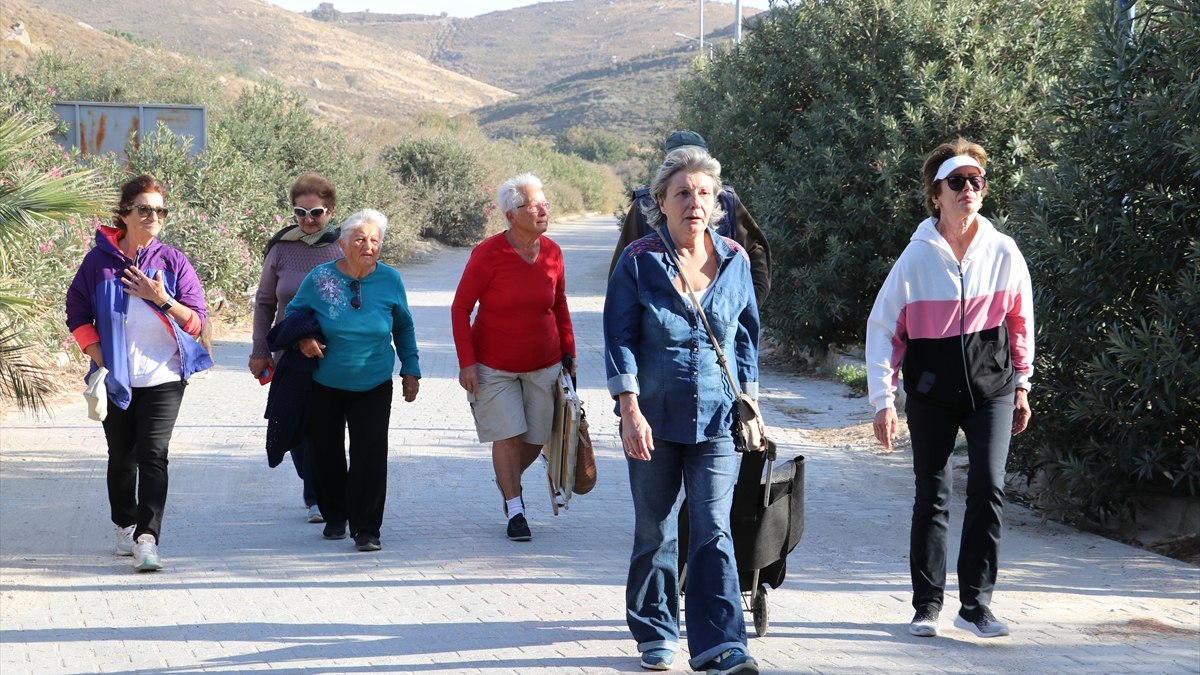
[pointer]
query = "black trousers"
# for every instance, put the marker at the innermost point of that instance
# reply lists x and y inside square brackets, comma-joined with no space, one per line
[355,492]
[933,430]
[138,440]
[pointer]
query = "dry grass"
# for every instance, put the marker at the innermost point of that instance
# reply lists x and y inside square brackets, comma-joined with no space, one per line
[531,47]
[47,29]
[346,76]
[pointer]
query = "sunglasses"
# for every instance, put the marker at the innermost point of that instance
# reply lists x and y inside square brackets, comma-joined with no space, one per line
[356,289]
[145,210]
[302,213]
[957,183]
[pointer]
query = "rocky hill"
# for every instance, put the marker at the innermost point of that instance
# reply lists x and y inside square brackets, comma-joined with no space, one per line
[345,74]
[527,48]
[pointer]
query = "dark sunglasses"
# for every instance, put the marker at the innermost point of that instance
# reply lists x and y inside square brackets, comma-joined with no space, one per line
[356,289]
[144,211]
[957,183]
[302,212]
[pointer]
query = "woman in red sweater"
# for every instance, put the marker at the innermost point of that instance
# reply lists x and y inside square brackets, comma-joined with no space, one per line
[510,357]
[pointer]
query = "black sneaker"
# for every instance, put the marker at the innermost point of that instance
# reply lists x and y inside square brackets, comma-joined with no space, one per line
[924,623]
[981,622]
[334,531]
[518,529]
[366,542]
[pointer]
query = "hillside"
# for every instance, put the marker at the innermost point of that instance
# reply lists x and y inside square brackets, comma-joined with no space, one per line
[527,48]
[41,30]
[634,100]
[345,75]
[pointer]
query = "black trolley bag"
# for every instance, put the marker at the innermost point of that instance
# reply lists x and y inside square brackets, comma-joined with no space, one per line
[766,527]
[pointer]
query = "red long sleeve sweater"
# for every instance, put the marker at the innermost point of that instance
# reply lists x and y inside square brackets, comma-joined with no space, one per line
[522,323]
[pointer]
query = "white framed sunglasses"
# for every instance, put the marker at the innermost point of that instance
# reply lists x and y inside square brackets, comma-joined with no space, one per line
[301,213]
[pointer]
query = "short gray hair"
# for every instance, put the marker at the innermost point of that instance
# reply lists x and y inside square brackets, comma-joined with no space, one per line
[356,220]
[688,159]
[510,193]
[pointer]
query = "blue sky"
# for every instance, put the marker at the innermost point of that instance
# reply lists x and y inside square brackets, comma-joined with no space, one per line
[452,7]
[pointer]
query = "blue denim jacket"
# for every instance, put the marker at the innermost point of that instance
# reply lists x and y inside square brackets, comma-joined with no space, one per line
[656,346]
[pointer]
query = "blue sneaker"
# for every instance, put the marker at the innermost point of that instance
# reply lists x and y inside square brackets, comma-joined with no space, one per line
[659,658]
[733,661]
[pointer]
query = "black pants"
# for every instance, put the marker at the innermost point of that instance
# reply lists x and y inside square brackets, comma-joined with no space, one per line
[356,493]
[933,430]
[302,460]
[138,439]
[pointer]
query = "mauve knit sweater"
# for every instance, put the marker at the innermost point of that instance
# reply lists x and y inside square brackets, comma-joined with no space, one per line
[286,265]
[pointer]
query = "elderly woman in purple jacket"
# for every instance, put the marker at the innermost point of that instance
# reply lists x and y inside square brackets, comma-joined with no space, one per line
[135,308]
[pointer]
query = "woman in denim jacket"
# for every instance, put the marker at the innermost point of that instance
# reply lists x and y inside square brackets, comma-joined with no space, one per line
[676,410]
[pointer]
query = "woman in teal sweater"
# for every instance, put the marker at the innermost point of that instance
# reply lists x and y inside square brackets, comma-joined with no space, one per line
[362,309]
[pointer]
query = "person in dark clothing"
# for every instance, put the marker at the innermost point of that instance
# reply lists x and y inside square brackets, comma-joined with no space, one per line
[737,223]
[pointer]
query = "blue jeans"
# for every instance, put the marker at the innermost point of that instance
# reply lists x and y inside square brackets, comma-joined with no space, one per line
[933,430]
[707,471]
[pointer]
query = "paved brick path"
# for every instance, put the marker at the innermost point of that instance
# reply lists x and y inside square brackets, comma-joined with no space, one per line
[249,585]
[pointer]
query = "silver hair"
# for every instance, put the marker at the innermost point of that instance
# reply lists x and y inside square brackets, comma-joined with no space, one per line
[687,159]
[356,220]
[510,195]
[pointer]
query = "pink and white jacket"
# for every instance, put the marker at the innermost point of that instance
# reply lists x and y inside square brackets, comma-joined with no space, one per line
[963,331]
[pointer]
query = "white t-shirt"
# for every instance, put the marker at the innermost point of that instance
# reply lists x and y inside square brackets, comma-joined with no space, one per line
[153,352]
[687,297]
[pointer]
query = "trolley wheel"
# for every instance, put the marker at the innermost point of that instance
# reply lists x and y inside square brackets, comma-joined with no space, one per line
[760,610]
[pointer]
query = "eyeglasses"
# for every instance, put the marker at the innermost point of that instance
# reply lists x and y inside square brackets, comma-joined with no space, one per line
[356,289]
[537,206]
[145,210]
[957,183]
[302,213]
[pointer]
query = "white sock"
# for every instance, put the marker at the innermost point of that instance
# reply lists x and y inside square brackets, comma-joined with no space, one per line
[516,507]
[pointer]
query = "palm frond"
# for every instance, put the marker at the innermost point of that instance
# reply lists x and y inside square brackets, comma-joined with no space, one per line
[25,378]
[29,195]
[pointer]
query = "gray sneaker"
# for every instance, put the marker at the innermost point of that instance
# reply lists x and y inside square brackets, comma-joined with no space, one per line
[924,623]
[314,514]
[981,622]
[125,540]
[145,554]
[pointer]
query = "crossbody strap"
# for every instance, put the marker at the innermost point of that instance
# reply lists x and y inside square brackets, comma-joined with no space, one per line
[703,317]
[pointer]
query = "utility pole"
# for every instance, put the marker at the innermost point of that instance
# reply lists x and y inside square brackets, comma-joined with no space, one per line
[702,28]
[737,22]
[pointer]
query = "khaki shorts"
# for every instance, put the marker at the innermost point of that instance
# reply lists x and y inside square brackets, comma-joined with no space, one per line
[514,404]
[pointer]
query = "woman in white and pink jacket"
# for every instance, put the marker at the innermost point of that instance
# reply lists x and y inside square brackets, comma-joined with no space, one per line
[955,315]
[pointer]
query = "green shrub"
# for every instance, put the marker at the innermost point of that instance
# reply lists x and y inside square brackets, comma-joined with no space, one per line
[1113,223]
[594,145]
[823,115]
[854,377]
[572,183]
[145,76]
[446,181]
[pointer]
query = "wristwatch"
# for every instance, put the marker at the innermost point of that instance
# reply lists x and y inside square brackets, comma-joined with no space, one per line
[167,305]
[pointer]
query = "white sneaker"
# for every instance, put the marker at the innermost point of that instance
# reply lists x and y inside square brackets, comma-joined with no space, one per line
[125,540]
[314,514]
[145,554]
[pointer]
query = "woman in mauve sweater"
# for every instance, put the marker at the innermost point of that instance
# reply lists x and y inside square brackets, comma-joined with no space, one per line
[510,357]
[291,254]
